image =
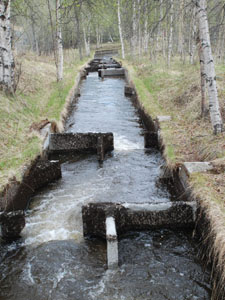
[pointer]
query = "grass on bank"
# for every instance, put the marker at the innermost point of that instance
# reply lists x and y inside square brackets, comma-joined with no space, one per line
[188,137]
[38,97]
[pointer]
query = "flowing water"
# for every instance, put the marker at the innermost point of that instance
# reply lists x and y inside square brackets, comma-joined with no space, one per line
[53,261]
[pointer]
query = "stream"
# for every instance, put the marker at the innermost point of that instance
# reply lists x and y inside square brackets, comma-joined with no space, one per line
[53,260]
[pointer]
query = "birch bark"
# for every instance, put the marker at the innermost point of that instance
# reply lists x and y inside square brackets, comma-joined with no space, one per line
[134,27]
[139,28]
[203,83]
[192,36]
[86,39]
[181,45]
[7,65]
[59,41]
[146,34]
[170,40]
[120,30]
[209,67]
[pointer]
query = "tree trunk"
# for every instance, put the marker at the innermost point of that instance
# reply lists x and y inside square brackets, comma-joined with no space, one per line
[134,27]
[120,30]
[203,83]
[181,31]
[7,65]
[170,41]
[209,67]
[97,37]
[59,41]
[86,40]
[139,28]
[89,41]
[192,36]
[77,17]
[146,34]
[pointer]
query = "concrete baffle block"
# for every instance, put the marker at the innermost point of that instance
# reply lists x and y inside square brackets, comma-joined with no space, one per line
[112,243]
[62,143]
[12,223]
[129,91]
[137,216]
[151,140]
[110,66]
[111,72]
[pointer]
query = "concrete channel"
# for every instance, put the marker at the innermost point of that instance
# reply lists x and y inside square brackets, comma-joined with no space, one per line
[137,236]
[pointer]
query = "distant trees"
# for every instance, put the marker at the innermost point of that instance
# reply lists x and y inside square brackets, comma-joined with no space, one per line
[7,80]
[155,28]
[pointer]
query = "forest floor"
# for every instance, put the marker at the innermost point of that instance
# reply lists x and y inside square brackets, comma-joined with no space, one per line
[38,97]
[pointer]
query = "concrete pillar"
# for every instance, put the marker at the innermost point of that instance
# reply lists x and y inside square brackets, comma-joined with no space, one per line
[112,243]
[100,149]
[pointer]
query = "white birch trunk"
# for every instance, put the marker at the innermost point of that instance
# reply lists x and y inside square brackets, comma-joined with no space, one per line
[160,25]
[139,28]
[89,41]
[134,27]
[7,65]
[192,37]
[97,37]
[146,34]
[209,67]
[181,30]
[120,30]
[59,42]
[170,40]
[86,42]
[203,83]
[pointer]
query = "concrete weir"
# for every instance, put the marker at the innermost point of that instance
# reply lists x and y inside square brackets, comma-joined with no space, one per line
[100,143]
[131,216]
[111,72]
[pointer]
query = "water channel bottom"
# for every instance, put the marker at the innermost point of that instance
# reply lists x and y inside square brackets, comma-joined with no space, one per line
[53,261]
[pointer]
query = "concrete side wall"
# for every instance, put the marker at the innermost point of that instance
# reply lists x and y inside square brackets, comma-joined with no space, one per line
[130,90]
[16,195]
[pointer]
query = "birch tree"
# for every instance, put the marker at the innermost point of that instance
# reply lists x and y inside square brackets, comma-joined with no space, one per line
[146,34]
[120,29]
[209,67]
[202,76]
[59,41]
[170,40]
[134,28]
[7,66]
